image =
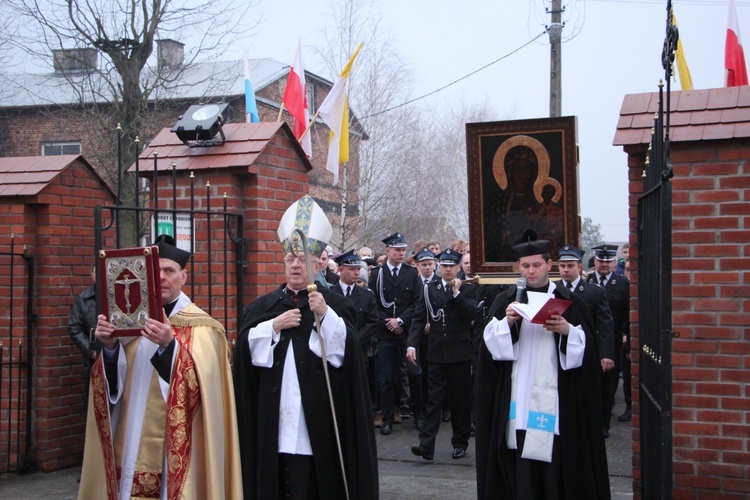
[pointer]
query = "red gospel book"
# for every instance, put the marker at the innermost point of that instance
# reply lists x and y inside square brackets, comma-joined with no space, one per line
[539,312]
[131,288]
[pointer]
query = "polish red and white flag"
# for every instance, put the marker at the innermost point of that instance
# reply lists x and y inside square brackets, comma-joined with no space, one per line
[734,56]
[295,100]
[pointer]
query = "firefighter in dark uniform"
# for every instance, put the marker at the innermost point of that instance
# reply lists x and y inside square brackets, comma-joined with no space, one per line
[396,288]
[569,261]
[363,299]
[450,307]
[618,296]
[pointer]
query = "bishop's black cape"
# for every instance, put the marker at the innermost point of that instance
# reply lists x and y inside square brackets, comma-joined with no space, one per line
[583,454]
[258,392]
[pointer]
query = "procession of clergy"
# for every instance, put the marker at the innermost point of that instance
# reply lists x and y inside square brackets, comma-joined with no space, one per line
[292,417]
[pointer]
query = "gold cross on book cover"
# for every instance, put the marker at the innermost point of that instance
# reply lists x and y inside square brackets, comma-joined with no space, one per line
[130,288]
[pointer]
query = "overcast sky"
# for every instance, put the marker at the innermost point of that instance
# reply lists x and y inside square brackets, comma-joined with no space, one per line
[613,49]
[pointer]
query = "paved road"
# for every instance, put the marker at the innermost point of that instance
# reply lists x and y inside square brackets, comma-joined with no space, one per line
[402,475]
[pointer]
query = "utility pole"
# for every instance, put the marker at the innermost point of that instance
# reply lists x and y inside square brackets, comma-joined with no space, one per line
[555,66]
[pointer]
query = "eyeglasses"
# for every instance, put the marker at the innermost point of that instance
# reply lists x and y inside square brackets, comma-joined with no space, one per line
[292,260]
[299,259]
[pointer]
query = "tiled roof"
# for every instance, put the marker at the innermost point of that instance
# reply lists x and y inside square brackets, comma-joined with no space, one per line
[29,175]
[198,81]
[244,143]
[696,115]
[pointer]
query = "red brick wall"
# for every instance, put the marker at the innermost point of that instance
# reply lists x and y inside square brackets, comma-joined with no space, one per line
[276,179]
[711,312]
[58,228]
[16,232]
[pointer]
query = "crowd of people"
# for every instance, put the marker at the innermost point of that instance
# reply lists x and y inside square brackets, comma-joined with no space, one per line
[353,342]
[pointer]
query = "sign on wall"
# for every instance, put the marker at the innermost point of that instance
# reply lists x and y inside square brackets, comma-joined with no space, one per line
[162,223]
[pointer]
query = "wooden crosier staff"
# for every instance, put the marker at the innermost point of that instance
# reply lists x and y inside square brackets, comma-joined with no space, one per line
[312,287]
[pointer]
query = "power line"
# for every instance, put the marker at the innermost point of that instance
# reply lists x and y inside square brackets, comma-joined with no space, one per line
[456,81]
[716,3]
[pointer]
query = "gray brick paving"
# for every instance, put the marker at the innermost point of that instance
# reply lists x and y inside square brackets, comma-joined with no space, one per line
[402,475]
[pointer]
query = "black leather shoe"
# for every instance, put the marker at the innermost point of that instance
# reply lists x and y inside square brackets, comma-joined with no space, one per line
[386,429]
[422,451]
[458,453]
[625,417]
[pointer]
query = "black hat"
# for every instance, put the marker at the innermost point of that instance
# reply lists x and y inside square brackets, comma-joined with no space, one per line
[424,254]
[395,241]
[449,257]
[570,252]
[370,261]
[530,244]
[606,253]
[168,250]
[350,258]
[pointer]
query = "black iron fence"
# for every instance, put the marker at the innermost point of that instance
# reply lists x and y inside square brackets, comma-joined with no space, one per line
[655,298]
[213,234]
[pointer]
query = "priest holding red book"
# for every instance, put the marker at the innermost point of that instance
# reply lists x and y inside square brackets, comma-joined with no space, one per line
[539,431]
[162,421]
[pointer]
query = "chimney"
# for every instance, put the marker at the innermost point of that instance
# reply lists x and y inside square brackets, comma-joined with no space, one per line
[170,53]
[74,60]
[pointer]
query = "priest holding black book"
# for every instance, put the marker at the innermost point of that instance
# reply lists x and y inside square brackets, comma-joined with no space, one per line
[539,434]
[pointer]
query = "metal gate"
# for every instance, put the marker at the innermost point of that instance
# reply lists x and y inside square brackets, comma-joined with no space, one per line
[16,322]
[214,236]
[655,298]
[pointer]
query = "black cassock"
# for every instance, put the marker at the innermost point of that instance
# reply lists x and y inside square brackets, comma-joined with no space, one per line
[258,392]
[583,455]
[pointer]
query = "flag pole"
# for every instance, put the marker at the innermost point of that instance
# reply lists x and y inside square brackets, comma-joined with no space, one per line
[281,110]
[309,125]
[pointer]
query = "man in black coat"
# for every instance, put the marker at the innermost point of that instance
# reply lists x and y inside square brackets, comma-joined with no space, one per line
[539,434]
[450,308]
[330,277]
[570,265]
[81,323]
[425,262]
[362,299]
[617,288]
[397,287]
[286,427]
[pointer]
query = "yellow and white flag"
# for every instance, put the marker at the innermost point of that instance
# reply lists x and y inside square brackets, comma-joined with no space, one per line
[334,111]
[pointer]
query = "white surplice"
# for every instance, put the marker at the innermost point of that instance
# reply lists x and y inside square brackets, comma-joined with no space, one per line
[142,370]
[262,340]
[525,352]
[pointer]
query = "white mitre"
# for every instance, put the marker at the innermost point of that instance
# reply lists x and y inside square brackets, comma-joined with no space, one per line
[306,215]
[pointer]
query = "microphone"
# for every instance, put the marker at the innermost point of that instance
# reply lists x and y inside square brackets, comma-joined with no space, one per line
[520,288]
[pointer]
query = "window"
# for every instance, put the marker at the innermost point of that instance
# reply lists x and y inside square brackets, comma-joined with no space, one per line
[310,98]
[61,148]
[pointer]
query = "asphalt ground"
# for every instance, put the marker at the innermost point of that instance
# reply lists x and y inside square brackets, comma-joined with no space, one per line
[402,475]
